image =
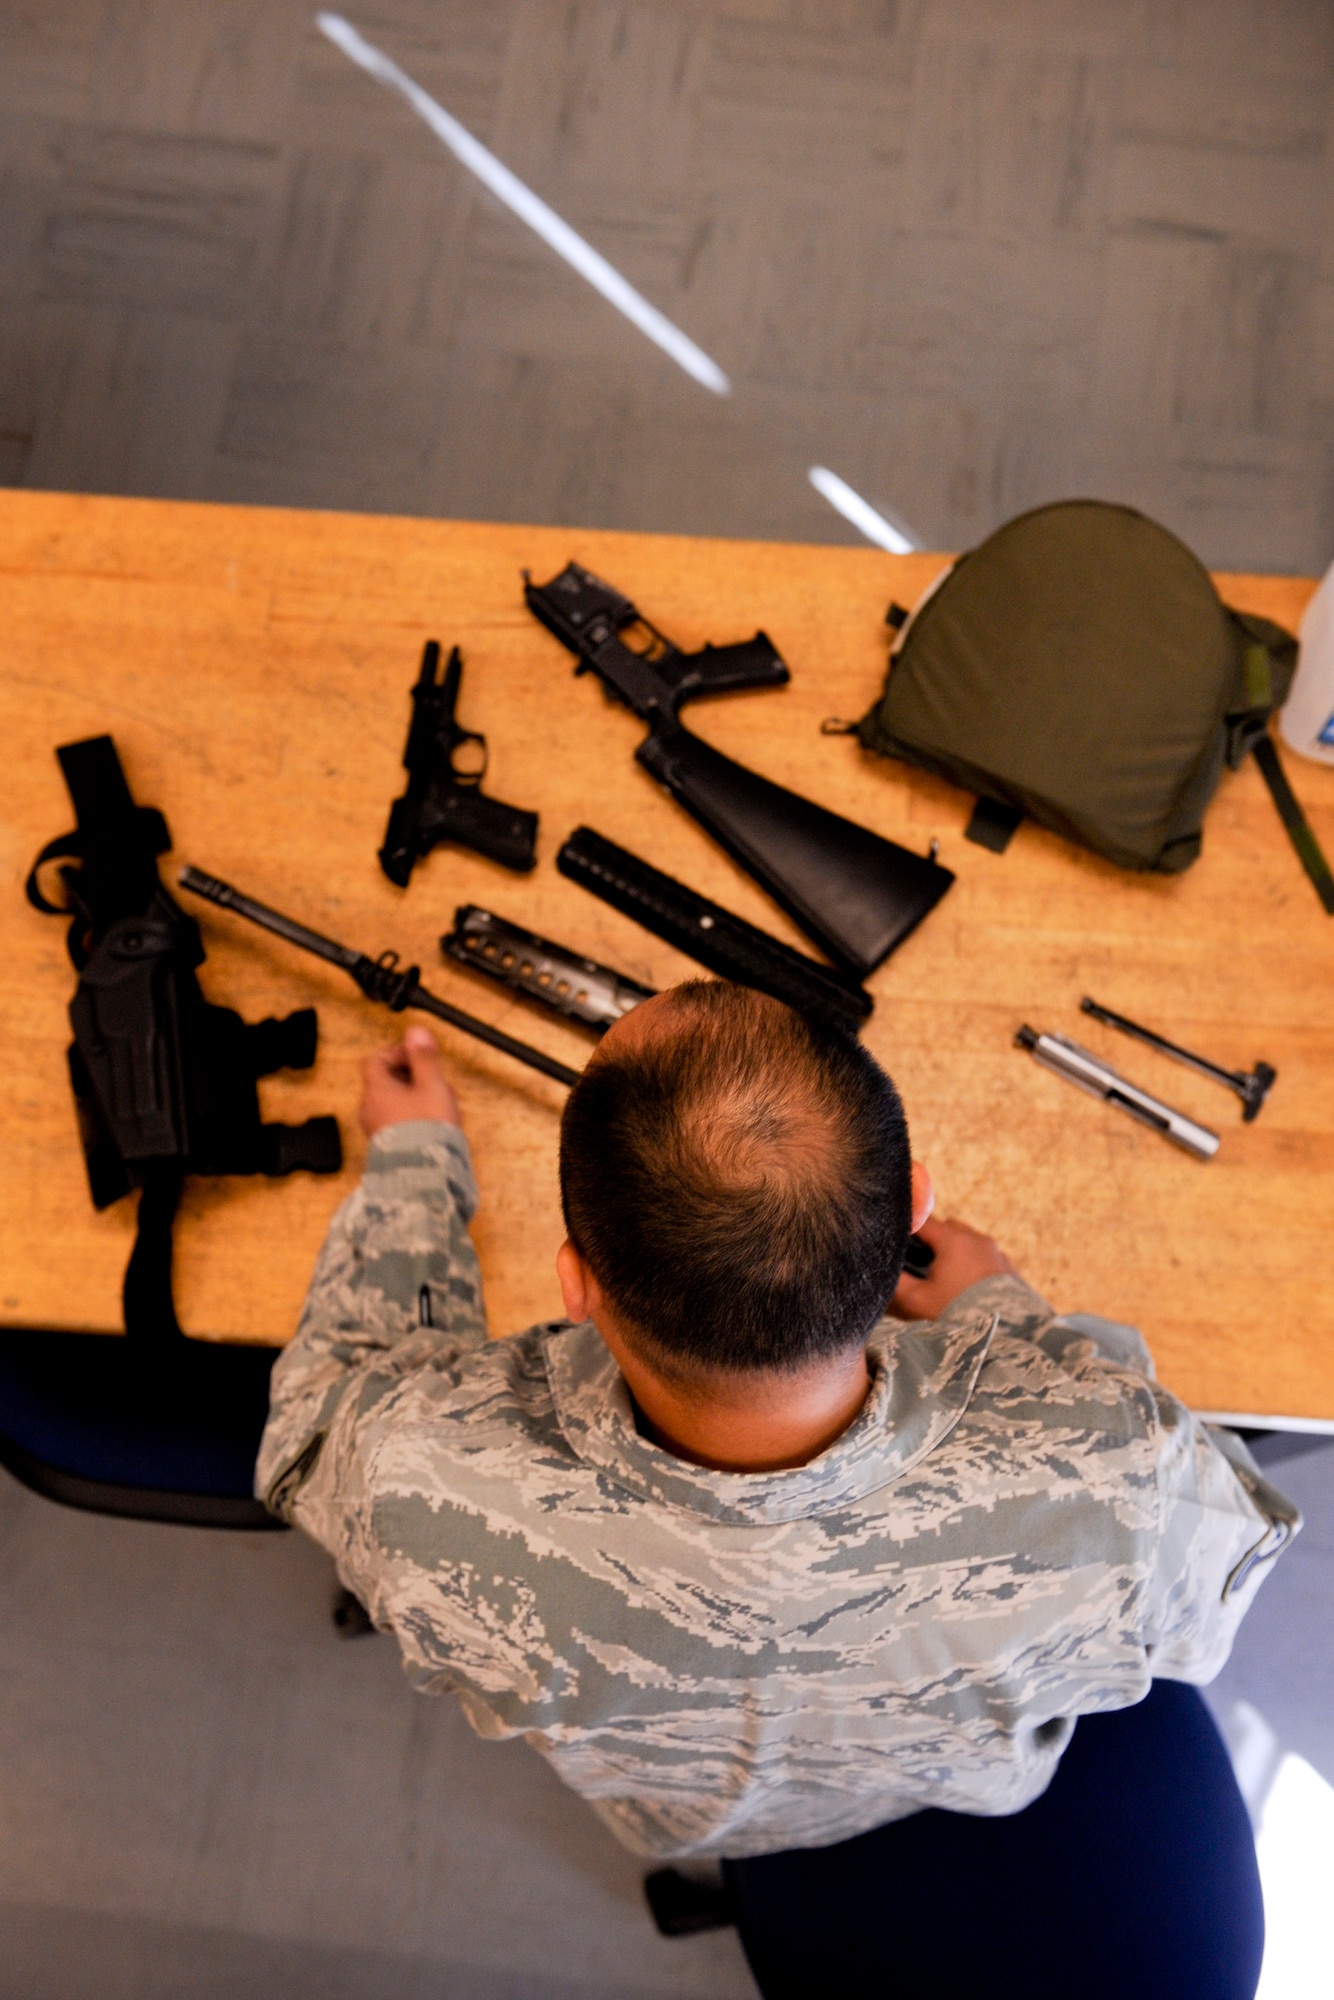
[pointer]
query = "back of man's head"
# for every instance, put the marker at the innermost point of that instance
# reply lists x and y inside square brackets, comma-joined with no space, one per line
[738,1180]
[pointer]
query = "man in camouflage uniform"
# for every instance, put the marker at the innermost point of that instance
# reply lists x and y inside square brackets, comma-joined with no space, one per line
[747,1599]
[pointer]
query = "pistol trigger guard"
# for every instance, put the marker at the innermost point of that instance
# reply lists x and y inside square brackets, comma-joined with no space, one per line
[466,736]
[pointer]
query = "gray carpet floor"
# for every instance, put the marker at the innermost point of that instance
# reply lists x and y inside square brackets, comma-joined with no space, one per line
[971,254]
[205,1791]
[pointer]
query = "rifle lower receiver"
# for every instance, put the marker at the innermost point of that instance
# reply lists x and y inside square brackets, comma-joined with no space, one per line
[579,988]
[727,944]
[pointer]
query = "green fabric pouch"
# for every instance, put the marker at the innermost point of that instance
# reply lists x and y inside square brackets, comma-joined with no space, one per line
[1079,667]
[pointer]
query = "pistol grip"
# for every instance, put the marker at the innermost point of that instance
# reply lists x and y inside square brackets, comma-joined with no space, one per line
[502,833]
[746,663]
[462,814]
[400,848]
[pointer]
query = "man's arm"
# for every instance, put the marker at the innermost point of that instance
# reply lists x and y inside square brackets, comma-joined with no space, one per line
[1222,1525]
[1220,1522]
[967,1261]
[396,1282]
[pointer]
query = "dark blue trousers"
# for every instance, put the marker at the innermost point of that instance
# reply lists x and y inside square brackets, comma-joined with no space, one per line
[1133,1877]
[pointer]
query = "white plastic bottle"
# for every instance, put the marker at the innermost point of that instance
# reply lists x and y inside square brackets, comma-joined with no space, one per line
[1306,722]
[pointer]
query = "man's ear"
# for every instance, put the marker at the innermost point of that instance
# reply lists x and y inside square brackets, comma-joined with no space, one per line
[578,1287]
[923,1194]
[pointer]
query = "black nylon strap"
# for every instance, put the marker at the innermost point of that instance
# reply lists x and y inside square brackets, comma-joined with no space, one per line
[1295,821]
[118,841]
[150,1310]
[66,847]
[993,824]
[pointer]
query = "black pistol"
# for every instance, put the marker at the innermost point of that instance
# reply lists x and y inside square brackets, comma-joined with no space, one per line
[855,893]
[164,1082]
[444,801]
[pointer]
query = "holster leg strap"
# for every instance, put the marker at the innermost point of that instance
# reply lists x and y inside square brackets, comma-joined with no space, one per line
[150,1310]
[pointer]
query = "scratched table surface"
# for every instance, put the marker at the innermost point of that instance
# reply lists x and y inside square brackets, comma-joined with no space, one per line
[253,667]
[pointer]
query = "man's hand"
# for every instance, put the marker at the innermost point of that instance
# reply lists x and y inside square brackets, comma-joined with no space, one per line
[963,1255]
[406,1082]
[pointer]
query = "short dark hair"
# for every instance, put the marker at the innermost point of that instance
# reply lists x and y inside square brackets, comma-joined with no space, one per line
[739,1183]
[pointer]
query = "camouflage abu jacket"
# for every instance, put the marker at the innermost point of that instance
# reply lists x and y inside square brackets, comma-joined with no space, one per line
[1019,1527]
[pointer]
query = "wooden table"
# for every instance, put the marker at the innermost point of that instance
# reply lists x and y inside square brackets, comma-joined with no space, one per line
[253,666]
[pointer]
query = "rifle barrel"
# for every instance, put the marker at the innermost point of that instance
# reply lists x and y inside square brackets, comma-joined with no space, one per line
[509,1045]
[227,898]
[358,964]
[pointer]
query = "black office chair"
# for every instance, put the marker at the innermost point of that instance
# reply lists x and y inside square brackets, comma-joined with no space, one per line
[160,1431]
[1134,1873]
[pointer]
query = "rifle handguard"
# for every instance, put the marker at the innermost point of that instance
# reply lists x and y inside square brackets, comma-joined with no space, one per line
[726,943]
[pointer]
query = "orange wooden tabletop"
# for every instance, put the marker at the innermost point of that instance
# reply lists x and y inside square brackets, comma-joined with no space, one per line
[253,666]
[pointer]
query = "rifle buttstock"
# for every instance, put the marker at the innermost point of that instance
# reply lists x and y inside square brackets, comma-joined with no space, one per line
[857,894]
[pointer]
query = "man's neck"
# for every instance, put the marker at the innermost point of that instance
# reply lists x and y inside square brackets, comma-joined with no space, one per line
[758,1421]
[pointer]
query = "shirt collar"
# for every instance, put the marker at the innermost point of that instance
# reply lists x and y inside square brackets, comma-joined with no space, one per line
[922,1375]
